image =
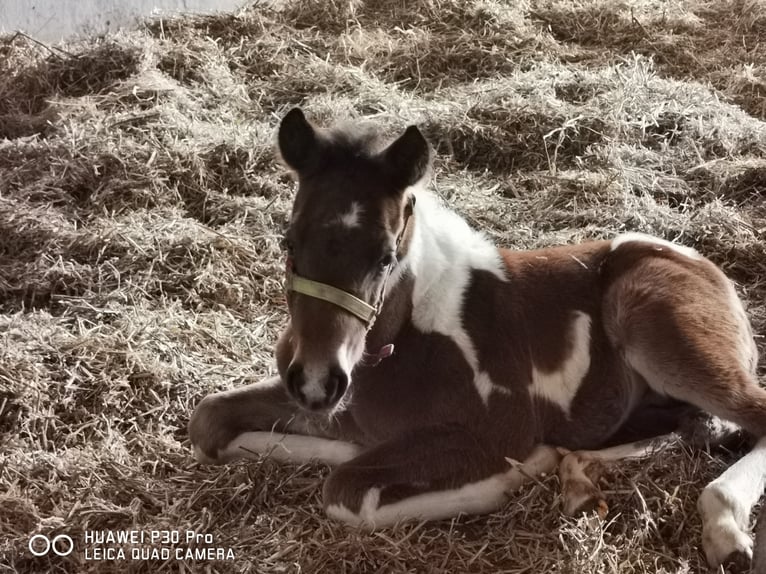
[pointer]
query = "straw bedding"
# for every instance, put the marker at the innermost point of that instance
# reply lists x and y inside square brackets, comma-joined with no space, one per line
[141,207]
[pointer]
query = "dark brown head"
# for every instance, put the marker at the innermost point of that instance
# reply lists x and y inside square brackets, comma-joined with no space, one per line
[349,211]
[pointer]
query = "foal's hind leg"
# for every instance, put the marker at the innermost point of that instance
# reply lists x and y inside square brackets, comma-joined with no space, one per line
[431,474]
[725,505]
[580,471]
[262,419]
[681,327]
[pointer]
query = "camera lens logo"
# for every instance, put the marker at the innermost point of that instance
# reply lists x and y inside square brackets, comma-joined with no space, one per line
[41,545]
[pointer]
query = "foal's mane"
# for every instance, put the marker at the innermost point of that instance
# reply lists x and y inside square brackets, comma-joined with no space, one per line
[348,142]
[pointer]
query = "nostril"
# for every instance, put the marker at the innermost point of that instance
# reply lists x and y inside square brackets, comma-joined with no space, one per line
[294,381]
[337,383]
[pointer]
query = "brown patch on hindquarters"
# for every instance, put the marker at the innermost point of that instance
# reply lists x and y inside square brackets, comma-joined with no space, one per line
[697,349]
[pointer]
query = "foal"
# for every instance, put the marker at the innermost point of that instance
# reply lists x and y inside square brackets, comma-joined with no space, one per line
[419,357]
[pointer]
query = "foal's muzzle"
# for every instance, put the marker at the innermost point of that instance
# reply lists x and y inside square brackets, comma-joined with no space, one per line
[315,395]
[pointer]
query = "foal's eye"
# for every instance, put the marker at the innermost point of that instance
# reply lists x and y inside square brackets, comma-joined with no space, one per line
[386,260]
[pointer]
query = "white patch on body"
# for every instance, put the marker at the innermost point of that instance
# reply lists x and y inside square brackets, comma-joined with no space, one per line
[474,498]
[289,448]
[353,217]
[443,253]
[660,243]
[485,386]
[726,503]
[561,385]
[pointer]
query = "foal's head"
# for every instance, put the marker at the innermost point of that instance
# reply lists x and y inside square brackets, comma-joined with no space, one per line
[350,212]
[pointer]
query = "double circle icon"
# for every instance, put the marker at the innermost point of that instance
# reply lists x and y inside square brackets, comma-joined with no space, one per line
[62,545]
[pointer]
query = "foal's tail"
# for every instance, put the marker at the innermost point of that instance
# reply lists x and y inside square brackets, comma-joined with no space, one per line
[759,551]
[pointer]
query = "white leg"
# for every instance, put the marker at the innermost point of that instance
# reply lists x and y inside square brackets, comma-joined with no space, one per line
[474,498]
[286,448]
[633,450]
[726,503]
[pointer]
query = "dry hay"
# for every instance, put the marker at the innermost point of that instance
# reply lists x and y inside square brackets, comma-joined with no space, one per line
[140,215]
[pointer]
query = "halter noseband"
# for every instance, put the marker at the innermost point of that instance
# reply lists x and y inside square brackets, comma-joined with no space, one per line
[360,309]
[343,299]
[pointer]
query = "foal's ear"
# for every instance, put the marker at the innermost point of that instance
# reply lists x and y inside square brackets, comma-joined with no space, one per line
[408,158]
[297,140]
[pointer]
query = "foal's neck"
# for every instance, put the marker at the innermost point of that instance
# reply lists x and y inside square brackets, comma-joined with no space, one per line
[442,251]
[394,314]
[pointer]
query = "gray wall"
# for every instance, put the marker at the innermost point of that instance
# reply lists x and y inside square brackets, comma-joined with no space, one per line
[52,20]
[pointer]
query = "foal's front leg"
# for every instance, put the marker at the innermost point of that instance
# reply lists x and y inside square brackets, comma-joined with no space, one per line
[262,419]
[431,474]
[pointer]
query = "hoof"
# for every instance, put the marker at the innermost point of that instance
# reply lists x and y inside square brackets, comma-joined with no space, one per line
[724,538]
[726,543]
[579,475]
[584,498]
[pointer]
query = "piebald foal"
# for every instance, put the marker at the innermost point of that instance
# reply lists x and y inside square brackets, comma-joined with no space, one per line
[497,354]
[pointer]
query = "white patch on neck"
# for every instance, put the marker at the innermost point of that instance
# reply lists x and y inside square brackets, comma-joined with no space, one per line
[561,385]
[353,217]
[443,253]
[660,243]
